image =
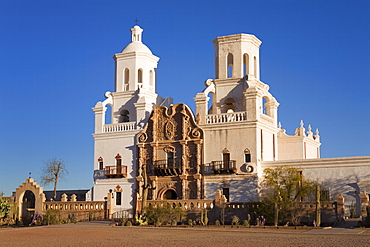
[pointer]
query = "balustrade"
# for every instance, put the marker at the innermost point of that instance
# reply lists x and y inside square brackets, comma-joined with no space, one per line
[188,205]
[226,117]
[120,127]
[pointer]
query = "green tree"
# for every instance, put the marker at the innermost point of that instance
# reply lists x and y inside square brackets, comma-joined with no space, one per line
[284,188]
[52,172]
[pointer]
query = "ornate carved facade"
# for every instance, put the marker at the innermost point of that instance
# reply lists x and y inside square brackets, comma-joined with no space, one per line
[170,155]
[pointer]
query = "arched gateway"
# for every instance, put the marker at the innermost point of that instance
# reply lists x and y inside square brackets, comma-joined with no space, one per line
[29,198]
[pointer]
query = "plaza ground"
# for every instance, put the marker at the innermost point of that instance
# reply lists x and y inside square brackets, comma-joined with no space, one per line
[100,233]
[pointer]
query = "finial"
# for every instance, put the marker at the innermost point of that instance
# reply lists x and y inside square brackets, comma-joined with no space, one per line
[136,21]
[317,131]
[279,125]
[29,175]
[309,132]
[301,124]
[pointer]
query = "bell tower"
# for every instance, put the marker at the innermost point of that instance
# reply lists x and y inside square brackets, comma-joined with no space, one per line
[236,56]
[135,65]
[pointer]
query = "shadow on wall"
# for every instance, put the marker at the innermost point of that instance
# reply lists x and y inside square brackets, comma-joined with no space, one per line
[241,190]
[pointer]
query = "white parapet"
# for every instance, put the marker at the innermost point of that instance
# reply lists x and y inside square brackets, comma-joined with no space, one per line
[226,117]
[120,127]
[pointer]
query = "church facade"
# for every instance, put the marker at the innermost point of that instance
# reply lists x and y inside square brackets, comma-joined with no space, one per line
[154,150]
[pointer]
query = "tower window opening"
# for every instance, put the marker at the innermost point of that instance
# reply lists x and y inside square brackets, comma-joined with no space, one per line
[229,105]
[255,66]
[264,107]
[230,65]
[140,77]
[151,78]
[246,64]
[126,79]
[124,116]
[108,114]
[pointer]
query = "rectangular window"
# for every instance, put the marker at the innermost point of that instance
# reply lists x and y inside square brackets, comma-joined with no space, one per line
[101,165]
[170,159]
[247,158]
[118,198]
[226,160]
[226,193]
[119,166]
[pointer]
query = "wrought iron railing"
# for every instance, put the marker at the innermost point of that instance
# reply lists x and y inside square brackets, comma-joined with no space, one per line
[116,171]
[222,167]
[169,167]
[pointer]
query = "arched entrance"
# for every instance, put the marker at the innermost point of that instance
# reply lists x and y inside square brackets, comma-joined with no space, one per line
[28,206]
[29,198]
[170,195]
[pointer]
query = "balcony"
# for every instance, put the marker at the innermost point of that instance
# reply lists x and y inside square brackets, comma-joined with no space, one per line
[170,167]
[224,167]
[116,171]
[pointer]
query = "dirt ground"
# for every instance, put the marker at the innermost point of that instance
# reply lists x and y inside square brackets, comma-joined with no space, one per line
[102,234]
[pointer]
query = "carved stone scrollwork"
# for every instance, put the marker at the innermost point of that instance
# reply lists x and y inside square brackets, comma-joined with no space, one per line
[169,149]
[143,137]
[170,129]
[195,133]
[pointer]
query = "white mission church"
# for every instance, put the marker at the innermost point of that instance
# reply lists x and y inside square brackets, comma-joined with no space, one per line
[233,136]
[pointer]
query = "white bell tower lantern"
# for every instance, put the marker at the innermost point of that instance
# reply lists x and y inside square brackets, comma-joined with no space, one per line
[135,65]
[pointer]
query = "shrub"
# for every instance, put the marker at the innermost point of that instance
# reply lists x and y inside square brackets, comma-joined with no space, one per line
[162,215]
[235,220]
[52,216]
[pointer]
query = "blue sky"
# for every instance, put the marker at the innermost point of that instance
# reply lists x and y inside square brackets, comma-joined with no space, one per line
[56,63]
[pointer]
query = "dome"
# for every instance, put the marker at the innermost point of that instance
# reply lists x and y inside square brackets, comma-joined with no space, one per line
[136,46]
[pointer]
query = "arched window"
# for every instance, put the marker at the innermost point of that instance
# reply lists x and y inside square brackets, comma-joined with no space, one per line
[140,77]
[170,194]
[230,65]
[151,78]
[264,108]
[126,79]
[255,66]
[108,114]
[124,116]
[229,105]
[245,64]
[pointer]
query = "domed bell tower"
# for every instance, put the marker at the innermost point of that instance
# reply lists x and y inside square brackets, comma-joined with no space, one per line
[135,65]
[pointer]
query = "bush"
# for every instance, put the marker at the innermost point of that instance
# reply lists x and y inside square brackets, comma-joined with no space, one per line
[4,209]
[162,215]
[51,217]
[235,220]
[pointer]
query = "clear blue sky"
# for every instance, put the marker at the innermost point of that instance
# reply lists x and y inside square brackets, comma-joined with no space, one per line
[56,63]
